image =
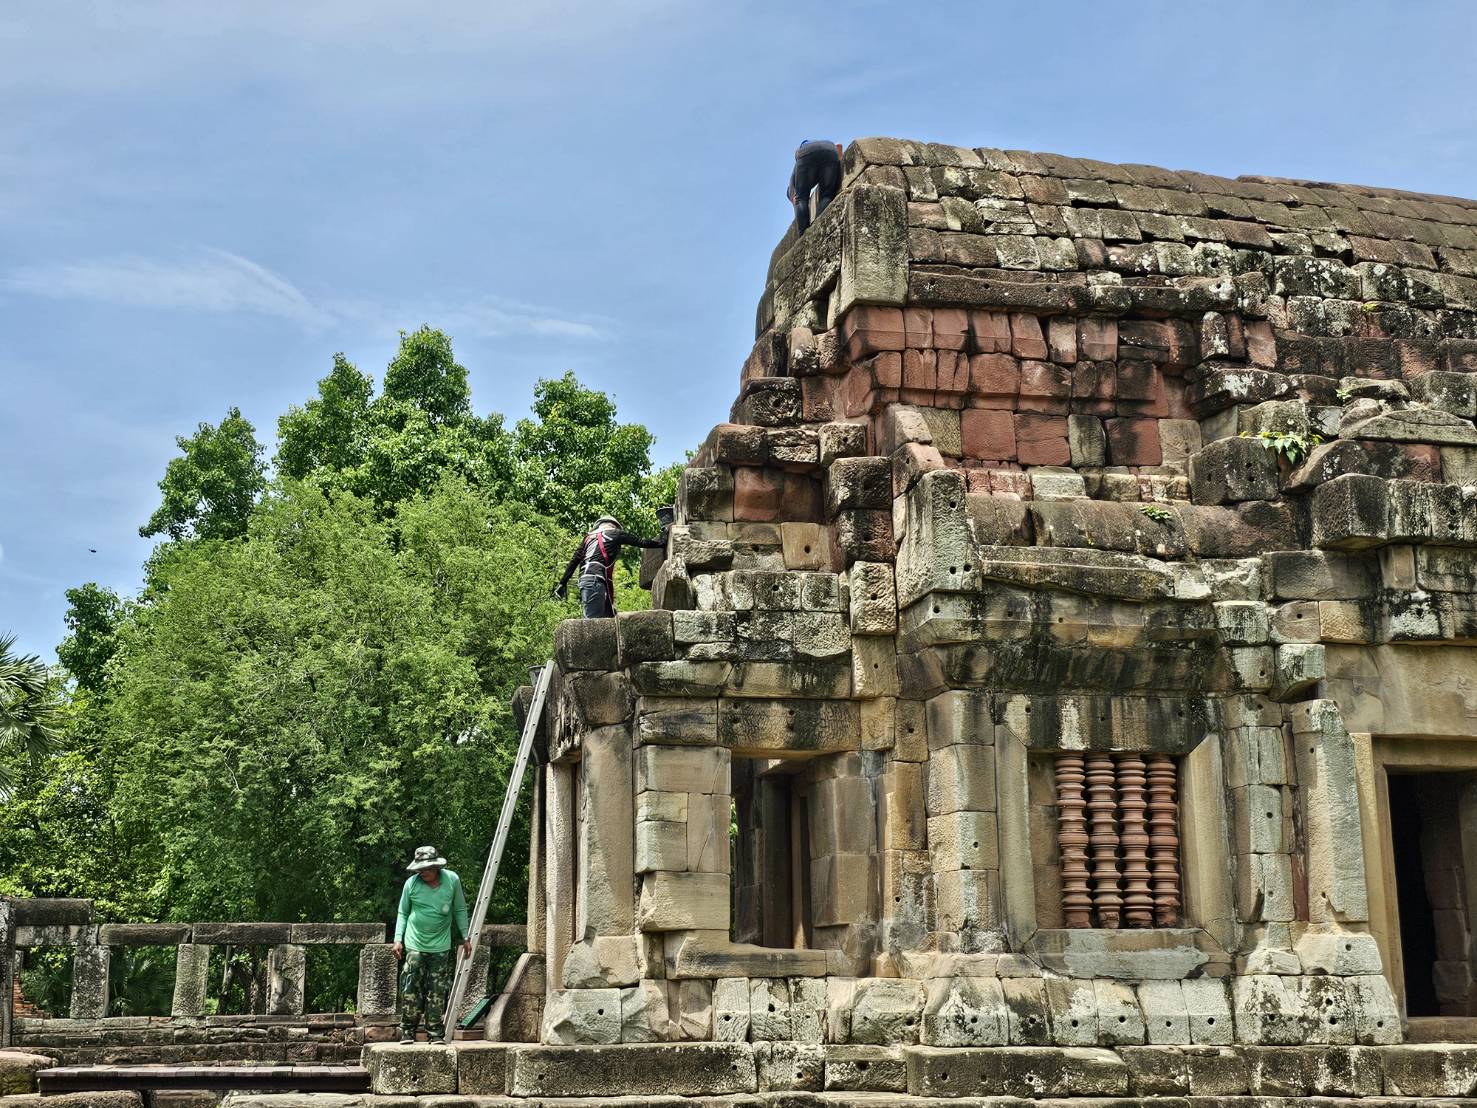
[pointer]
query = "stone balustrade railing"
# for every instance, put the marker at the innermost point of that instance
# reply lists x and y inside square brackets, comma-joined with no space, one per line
[27,924]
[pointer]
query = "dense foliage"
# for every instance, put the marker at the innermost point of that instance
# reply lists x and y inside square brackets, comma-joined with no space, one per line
[315,677]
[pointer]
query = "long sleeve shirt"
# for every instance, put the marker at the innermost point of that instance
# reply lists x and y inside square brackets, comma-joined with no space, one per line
[426,914]
[589,550]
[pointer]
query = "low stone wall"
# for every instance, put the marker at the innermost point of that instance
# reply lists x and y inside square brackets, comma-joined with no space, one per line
[327,1039]
[283,1033]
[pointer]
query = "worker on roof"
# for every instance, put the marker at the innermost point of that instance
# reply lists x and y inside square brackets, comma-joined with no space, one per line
[432,906]
[596,555]
[817,167]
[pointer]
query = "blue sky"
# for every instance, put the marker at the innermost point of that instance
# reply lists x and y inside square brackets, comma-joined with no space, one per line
[201,202]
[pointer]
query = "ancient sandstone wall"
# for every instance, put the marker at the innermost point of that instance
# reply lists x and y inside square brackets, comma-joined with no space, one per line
[1027,619]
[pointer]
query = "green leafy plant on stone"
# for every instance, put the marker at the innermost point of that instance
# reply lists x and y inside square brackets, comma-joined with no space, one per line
[1292,445]
[1343,395]
[1158,513]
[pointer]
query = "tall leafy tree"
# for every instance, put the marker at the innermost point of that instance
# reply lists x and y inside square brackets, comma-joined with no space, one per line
[324,694]
[319,678]
[93,616]
[208,491]
[331,431]
[575,460]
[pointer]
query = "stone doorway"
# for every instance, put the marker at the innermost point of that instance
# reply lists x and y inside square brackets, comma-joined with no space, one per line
[1433,826]
[770,842]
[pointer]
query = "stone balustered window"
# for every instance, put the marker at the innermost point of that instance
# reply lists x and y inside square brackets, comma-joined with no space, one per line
[1116,838]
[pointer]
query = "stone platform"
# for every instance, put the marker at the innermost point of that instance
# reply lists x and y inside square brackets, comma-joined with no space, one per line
[801,1073]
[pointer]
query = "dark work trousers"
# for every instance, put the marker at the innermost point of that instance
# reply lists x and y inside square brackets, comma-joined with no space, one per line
[595,597]
[817,166]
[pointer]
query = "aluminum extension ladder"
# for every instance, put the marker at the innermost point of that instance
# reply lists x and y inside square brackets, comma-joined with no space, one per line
[499,840]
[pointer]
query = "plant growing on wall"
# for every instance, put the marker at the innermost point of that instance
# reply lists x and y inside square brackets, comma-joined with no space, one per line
[1292,445]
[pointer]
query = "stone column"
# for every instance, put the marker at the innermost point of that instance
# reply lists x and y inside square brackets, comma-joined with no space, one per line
[379,975]
[559,866]
[287,974]
[90,965]
[1258,780]
[605,903]
[963,834]
[537,863]
[1337,892]
[843,845]
[191,967]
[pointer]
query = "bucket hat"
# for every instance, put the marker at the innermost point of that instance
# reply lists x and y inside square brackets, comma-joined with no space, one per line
[425,858]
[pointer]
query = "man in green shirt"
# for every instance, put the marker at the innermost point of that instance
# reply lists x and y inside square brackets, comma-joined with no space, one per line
[431,903]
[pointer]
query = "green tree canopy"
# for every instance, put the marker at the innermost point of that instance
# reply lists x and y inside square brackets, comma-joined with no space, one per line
[331,431]
[575,462]
[208,491]
[93,616]
[316,675]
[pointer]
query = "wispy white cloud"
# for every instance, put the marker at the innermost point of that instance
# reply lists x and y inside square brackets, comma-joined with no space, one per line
[221,282]
[208,281]
[486,317]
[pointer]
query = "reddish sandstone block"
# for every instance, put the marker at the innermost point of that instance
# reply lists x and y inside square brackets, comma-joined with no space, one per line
[757,493]
[1097,339]
[1011,483]
[950,328]
[887,370]
[1026,340]
[1418,356]
[870,329]
[920,370]
[821,398]
[918,327]
[857,393]
[1175,404]
[1041,440]
[989,332]
[1133,442]
[802,499]
[1156,405]
[1167,342]
[1061,339]
[1045,379]
[1094,380]
[987,433]
[1261,346]
[994,375]
[953,368]
[1135,380]
[1235,337]
[918,398]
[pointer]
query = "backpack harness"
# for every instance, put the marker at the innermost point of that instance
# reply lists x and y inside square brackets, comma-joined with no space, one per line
[605,562]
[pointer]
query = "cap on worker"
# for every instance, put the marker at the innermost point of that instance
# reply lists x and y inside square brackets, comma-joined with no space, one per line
[425,858]
[608,519]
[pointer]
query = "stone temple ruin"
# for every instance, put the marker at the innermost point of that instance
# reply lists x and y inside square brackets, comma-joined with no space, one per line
[1057,681]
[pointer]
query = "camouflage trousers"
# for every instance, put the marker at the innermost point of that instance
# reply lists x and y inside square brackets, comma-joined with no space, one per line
[425,987]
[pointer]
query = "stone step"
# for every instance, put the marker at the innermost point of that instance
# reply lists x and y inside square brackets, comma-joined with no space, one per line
[337,1079]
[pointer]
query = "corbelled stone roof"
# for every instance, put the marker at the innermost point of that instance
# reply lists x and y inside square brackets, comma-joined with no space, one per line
[939,222]
[1284,215]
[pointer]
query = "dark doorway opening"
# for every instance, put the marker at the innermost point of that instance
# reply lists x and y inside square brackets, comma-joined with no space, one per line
[1431,816]
[1417,931]
[770,855]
